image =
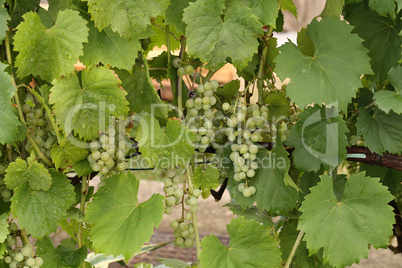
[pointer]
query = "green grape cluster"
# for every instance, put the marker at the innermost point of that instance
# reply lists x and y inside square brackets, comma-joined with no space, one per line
[182,70]
[244,127]
[38,126]
[200,114]
[20,257]
[184,231]
[108,152]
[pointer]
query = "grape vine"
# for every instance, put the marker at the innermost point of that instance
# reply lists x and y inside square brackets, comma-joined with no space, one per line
[306,138]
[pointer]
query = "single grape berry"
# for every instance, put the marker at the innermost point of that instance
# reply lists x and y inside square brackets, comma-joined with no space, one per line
[181,71]
[176,62]
[189,69]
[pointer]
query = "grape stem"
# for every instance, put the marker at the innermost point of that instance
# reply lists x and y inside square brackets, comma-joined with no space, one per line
[84,192]
[294,248]
[168,44]
[24,236]
[179,79]
[194,214]
[49,114]
[163,28]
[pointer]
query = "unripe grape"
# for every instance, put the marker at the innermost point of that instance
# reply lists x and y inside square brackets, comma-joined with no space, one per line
[104,170]
[252,190]
[242,175]
[179,241]
[104,138]
[168,211]
[194,208]
[214,84]
[206,107]
[26,108]
[181,71]
[254,165]
[174,224]
[188,217]
[200,89]
[13,264]
[30,262]
[208,86]
[176,179]
[39,261]
[121,166]
[212,100]
[226,106]
[13,227]
[170,201]
[241,187]
[176,62]
[183,226]
[178,193]
[6,194]
[193,201]
[19,257]
[246,192]
[250,173]
[189,242]
[253,149]
[27,250]
[7,259]
[208,93]
[96,155]
[105,156]
[196,193]
[205,140]
[190,103]
[189,69]
[167,182]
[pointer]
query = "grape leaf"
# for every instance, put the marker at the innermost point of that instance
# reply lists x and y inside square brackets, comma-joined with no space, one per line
[3,227]
[46,250]
[20,7]
[7,90]
[35,175]
[252,213]
[141,93]
[67,155]
[272,193]
[214,39]
[84,101]
[345,227]
[278,105]
[69,256]
[109,48]
[381,37]
[165,148]
[287,236]
[333,8]
[82,168]
[383,8]
[3,22]
[206,178]
[389,100]
[129,18]
[381,131]
[49,53]
[250,246]
[174,14]
[289,6]
[229,90]
[174,263]
[319,139]
[40,211]
[265,10]
[120,224]
[392,178]
[158,36]
[333,73]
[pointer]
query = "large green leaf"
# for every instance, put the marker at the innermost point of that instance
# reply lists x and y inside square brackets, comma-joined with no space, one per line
[84,101]
[206,178]
[388,100]
[345,228]
[67,155]
[332,74]
[392,178]
[174,14]
[278,104]
[214,39]
[35,175]
[3,227]
[319,138]
[141,93]
[165,148]
[250,246]
[9,123]
[381,37]
[109,48]
[120,224]
[252,213]
[129,18]
[7,90]
[272,193]
[381,131]
[40,211]
[49,53]
[3,21]
[46,250]
[333,8]
[265,10]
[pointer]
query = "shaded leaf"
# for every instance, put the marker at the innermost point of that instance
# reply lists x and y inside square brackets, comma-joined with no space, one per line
[388,100]
[206,178]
